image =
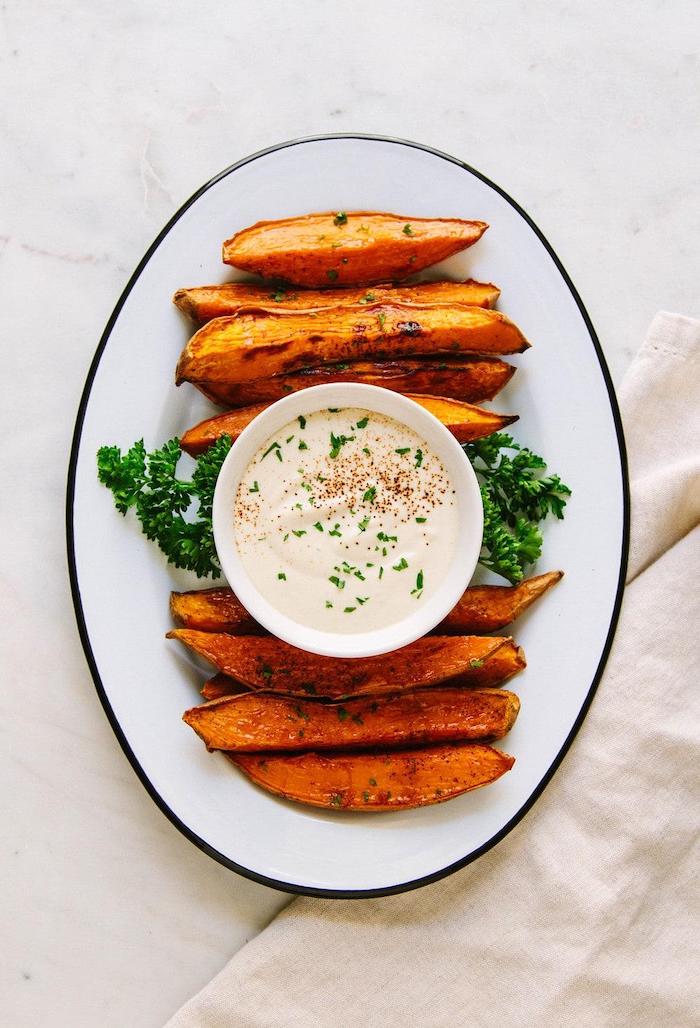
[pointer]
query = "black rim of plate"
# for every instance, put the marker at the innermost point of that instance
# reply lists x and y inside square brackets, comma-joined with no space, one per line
[75,587]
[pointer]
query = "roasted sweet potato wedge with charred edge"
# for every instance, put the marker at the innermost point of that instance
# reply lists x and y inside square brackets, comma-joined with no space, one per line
[392,780]
[264,662]
[258,722]
[464,378]
[348,248]
[488,608]
[202,303]
[221,685]
[263,342]
[464,420]
[507,661]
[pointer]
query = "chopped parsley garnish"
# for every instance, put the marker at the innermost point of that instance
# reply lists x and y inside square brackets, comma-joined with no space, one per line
[337,443]
[302,421]
[286,537]
[407,230]
[402,450]
[341,218]
[358,574]
[302,445]
[318,526]
[337,582]
[362,525]
[368,298]
[328,604]
[365,796]
[349,610]
[421,521]
[381,573]
[281,575]
[373,781]
[419,580]
[384,538]
[335,531]
[332,274]
[255,488]
[401,566]
[363,422]
[476,663]
[366,450]
[419,458]
[342,714]
[362,599]
[273,446]
[289,438]
[266,672]
[336,800]
[298,532]
[370,494]
[381,318]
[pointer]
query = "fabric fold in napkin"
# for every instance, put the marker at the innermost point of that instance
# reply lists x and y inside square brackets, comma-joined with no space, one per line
[587,913]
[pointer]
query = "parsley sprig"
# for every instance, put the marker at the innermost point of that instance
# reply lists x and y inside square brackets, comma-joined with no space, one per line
[516,497]
[148,482]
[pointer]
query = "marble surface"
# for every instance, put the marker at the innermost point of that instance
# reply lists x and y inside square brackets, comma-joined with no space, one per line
[113,114]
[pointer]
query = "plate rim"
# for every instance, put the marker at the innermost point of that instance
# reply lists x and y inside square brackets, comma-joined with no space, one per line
[205,847]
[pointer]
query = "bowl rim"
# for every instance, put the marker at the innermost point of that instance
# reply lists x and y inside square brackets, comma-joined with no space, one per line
[407,412]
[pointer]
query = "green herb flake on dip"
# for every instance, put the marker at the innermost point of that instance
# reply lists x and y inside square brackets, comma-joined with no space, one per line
[323,516]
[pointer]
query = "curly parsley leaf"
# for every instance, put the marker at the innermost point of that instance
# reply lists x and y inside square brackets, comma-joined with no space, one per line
[516,497]
[149,483]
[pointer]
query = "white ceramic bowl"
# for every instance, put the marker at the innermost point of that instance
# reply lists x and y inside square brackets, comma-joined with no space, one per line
[469,513]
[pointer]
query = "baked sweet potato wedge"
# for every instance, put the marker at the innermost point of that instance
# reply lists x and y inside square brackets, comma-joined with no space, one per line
[261,343]
[202,303]
[464,378]
[264,662]
[392,780]
[488,608]
[464,420]
[505,662]
[348,248]
[261,722]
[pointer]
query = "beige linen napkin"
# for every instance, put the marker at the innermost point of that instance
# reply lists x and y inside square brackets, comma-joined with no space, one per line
[587,913]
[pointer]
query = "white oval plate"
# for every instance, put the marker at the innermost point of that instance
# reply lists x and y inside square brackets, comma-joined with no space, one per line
[121,582]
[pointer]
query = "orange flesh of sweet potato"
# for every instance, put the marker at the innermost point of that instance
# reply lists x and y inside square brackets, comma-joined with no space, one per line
[360,248]
[213,610]
[261,343]
[464,420]
[464,378]
[257,722]
[202,303]
[264,662]
[487,608]
[393,780]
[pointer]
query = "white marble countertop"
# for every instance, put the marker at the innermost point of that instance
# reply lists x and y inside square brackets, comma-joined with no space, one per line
[587,114]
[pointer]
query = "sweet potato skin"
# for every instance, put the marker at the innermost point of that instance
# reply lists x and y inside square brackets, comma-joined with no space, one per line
[267,663]
[202,303]
[221,685]
[464,420]
[359,248]
[392,780]
[488,608]
[466,378]
[263,342]
[261,722]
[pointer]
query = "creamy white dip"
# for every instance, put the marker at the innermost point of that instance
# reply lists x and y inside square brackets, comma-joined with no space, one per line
[345,520]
